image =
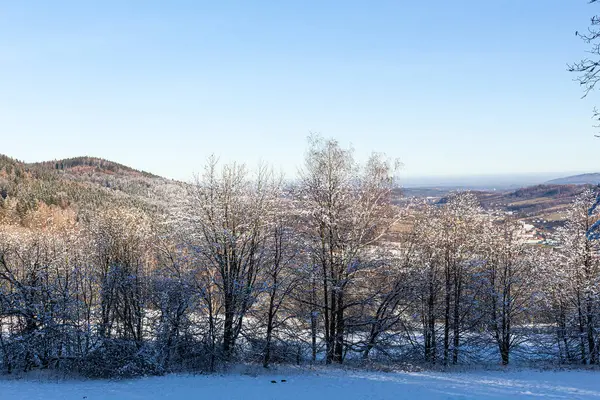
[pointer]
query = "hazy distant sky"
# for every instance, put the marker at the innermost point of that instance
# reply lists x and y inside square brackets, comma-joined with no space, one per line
[449,87]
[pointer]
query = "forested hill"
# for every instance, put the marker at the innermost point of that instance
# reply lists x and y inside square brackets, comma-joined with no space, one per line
[90,165]
[83,166]
[73,185]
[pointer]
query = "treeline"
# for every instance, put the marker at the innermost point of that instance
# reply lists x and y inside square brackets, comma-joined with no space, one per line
[95,164]
[243,267]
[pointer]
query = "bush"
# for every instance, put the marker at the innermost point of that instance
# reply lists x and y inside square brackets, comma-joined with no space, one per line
[119,359]
[281,352]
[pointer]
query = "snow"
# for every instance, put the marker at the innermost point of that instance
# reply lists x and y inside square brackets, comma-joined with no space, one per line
[322,384]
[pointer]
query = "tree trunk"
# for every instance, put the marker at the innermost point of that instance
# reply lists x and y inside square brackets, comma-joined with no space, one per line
[581,330]
[590,331]
[228,334]
[270,318]
[447,315]
[456,317]
[338,355]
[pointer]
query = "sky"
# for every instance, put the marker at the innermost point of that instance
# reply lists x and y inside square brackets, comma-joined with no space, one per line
[451,88]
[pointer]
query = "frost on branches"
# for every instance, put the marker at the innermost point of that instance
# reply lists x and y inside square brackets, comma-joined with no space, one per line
[244,266]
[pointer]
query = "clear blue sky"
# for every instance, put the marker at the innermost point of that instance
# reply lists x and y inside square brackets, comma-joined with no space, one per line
[449,87]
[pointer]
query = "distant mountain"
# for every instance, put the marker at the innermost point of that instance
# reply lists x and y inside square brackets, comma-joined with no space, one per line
[541,205]
[477,182]
[583,179]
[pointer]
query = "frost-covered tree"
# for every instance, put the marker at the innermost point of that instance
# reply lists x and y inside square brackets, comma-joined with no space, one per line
[459,224]
[227,221]
[577,283]
[122,238]
[279,277]
[347,209]
[507,272]
[588,69]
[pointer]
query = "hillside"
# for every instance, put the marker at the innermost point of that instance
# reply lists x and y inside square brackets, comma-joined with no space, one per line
[540,205]
[583,179]
[90,165]
[74,185]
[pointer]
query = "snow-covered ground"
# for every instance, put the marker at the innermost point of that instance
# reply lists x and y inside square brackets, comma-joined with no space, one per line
[322,384]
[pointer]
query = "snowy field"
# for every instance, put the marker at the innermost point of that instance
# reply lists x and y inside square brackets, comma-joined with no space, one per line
[322,384]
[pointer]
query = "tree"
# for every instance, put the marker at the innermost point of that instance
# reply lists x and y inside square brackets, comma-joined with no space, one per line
[121,237]
[460,225]
[278,276]
[579,265]
[347,210]
[507,275]
[228,218]
[588,69]
[424,242]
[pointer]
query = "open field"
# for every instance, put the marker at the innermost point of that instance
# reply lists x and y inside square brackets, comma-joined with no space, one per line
[322,384]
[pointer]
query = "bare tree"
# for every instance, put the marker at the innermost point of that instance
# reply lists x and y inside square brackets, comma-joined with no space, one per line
[347,210]
[588,69]
[279,276]
[122,238]
[228,215]
[507,275]
[578,271]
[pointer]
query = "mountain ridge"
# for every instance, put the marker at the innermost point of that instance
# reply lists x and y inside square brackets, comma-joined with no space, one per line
[592,178]
[88,163]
